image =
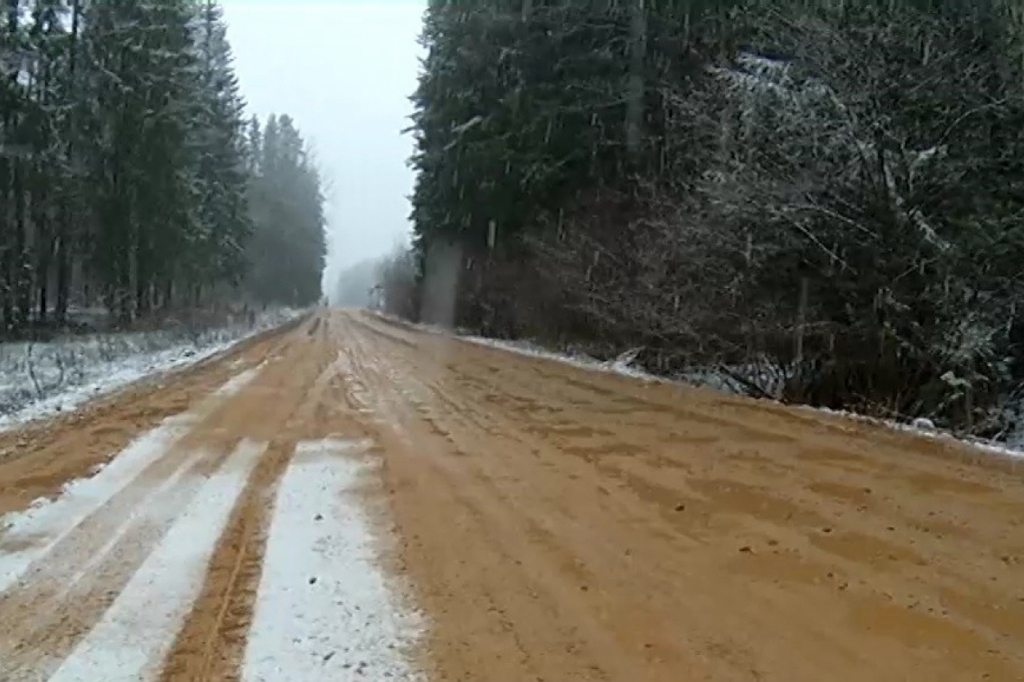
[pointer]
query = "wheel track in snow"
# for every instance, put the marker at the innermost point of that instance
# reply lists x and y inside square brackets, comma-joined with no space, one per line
[289,407]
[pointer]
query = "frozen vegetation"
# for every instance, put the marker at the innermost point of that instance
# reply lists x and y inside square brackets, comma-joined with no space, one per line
[39,379]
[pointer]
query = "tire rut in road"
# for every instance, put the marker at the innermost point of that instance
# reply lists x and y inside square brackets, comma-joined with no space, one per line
[211,645]
[429,427]
[48,618]
[300,397]
[682,524]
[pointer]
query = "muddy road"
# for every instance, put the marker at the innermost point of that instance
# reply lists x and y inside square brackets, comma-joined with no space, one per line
[353,499]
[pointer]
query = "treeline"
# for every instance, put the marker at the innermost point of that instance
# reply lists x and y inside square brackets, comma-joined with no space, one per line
[288,247]
[129,177]
[822,200]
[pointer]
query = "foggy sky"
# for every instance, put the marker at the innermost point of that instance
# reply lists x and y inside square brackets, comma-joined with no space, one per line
[344,71]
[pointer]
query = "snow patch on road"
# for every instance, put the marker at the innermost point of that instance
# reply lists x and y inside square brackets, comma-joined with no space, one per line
[155,505]
[324,610]
[36,531]
[236,383]
[135,634]
[40,528]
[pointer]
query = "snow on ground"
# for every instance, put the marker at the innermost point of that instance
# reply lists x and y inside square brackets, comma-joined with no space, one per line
[38,380]
[40,528]
[623,364]
[159,500]
[55,521]
[324,611]
[135,634]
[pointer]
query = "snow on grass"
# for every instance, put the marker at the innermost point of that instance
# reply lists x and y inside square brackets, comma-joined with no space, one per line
[36,531]
[132,639]
[39,380]
[324,611]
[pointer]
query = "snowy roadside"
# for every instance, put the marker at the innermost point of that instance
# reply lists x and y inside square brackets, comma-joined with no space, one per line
[39,380]
[710,379]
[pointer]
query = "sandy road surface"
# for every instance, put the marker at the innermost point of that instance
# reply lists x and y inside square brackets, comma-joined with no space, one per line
[352,499]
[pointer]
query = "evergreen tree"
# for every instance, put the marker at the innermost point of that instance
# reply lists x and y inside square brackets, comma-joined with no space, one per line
[803,190]
[288,248]
[127,168]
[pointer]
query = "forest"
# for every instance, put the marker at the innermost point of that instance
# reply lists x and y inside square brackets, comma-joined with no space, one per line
[822,202]
[131,179]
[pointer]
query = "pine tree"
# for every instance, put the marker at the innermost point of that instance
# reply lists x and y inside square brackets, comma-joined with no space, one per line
[806,185]
[126,165]
[288,246]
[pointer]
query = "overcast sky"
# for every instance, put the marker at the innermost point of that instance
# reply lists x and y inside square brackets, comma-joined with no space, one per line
[344,71]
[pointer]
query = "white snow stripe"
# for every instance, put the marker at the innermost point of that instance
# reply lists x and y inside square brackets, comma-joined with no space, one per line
[237,382]
[324,612]
[42,527]
[39,529]
[135,634]
[155,505]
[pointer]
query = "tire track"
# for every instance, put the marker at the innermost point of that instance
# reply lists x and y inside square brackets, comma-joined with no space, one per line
[131,639]
[37,460]
[54,605]
[681,524]
[211,644]
[296,400]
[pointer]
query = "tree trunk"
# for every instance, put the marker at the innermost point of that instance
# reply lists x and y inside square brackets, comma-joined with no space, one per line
[63,253]
[143,293]
[6,290]
[635,90]
[45,258]
[22,278]
[801,323]
[63,239]
[8,212]
[6,251]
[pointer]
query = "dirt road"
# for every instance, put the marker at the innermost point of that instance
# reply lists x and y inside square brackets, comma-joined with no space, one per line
[353,499]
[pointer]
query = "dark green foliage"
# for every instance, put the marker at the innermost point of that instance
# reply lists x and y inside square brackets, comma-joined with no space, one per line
[826,199]
[126,164]
[287,251]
